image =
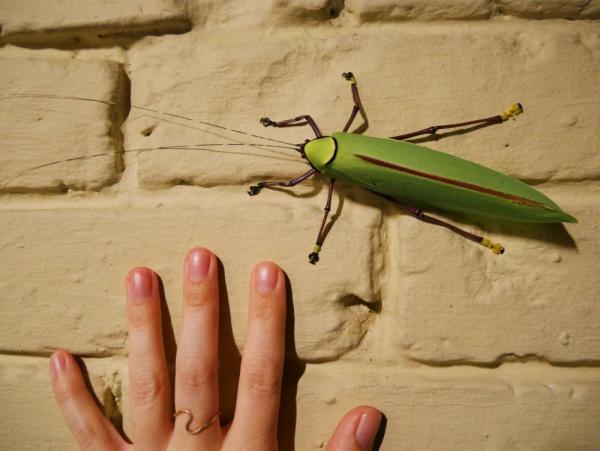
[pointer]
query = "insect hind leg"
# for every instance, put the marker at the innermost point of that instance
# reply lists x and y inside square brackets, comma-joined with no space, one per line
[419,214]
[514,110]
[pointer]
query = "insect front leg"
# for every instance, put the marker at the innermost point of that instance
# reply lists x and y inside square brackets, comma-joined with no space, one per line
[255,189]
[515,109]
[313,257]
[305,119]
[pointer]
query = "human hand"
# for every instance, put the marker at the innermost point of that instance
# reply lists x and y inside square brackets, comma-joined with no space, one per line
[254,426]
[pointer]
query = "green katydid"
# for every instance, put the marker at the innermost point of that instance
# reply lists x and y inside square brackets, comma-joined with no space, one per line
[417,177]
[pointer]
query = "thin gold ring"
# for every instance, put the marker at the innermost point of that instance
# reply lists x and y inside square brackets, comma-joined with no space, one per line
[202,427]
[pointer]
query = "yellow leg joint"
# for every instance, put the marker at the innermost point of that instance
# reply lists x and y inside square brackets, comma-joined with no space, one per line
[515,109]
[313,257]
[495,247]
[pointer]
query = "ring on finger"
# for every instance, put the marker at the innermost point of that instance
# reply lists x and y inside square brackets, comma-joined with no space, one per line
[202,427]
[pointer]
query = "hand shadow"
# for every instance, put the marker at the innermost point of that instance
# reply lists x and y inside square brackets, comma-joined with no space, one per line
[108,406]
[293,370]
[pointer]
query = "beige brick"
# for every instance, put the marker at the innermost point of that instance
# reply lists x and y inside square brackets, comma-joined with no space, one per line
[64,264]
[402,10]
[236,13]
[291,72]
[517,406]
[31,419]
[453,300]
[61,22]
[58,143]
[461,349]
[316,9]
[525,407]
[397,10]
[538,9]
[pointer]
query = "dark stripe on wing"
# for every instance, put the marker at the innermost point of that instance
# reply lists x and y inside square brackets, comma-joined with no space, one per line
[466,185]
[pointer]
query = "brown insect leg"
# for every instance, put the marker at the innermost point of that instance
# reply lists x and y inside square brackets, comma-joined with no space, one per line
[313,257]
[513,111]
[294,122]
[255,189]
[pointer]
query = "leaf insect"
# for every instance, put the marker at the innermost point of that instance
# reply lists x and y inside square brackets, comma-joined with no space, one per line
[414,175]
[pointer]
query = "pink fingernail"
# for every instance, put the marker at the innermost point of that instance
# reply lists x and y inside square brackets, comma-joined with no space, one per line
[367,428]
[266,276]
[58,363]
[139,284]
[197,265]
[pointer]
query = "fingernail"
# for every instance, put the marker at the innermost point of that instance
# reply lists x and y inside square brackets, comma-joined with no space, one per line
[139,284]
[367,428]
[58,363]
[265,277]
[197,265]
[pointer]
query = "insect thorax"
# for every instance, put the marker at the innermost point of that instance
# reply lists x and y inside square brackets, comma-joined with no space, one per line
[320,152]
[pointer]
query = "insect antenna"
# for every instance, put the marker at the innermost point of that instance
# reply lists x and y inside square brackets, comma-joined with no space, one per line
[200,147]
[150,110]
[204,147]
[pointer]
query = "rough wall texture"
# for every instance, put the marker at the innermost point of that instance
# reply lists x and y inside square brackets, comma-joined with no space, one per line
[461,349]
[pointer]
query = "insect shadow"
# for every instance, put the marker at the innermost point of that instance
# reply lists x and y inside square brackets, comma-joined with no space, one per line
[554,233]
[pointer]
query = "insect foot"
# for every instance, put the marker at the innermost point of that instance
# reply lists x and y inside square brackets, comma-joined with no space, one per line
[348,76]
[313,258]
[266,122]
[254,190]
[514,110]
[496,248]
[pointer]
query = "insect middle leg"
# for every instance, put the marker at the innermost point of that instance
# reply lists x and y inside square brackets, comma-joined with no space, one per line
[515,109]
[305,119]
[313,257]
[255,189]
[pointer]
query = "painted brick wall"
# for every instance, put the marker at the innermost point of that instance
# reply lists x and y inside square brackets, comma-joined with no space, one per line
[459,348]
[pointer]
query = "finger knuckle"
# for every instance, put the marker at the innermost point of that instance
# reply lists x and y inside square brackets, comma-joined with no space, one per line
[264,380]
[65,392]
[198,295]
[84,434]
[142,317]
[146,388]
[62,395]
[195,376]
[265,308]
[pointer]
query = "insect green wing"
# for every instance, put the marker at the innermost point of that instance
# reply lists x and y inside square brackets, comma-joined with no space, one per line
[429,178]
